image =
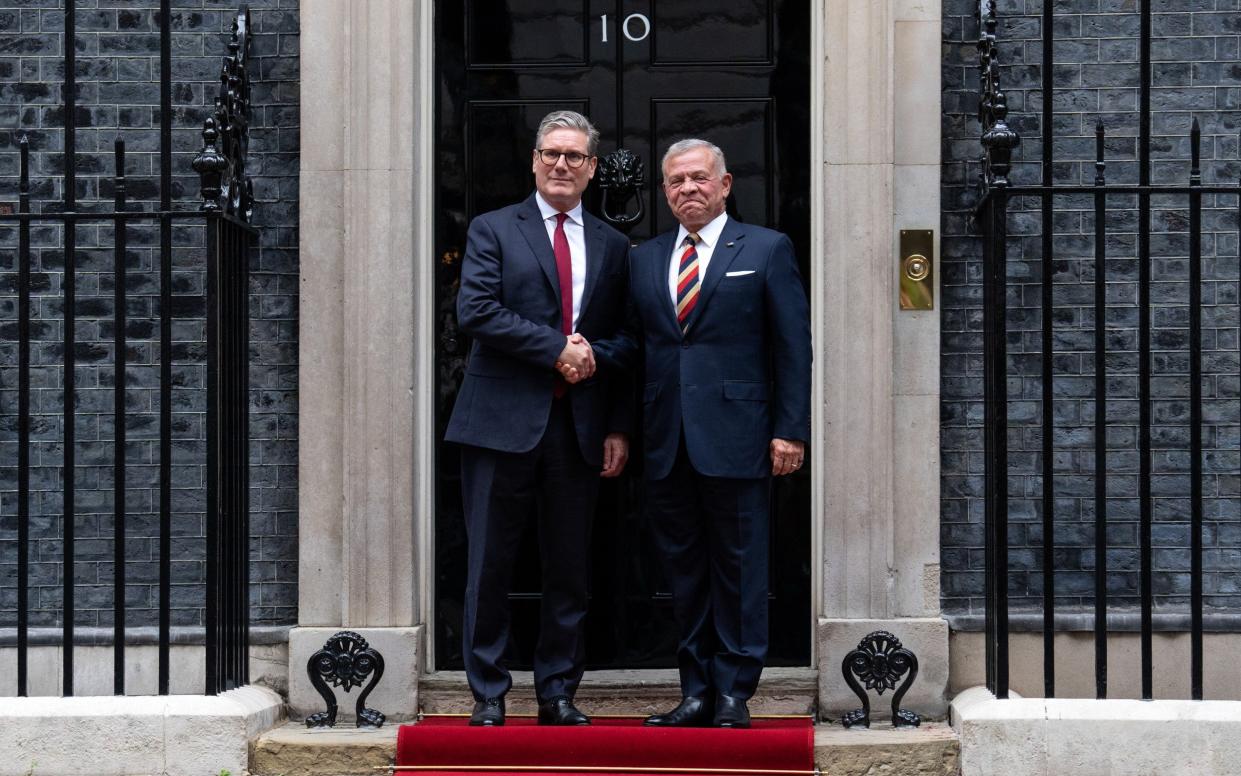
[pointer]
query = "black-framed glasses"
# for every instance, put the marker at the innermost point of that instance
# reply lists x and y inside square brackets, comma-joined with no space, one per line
[571,158]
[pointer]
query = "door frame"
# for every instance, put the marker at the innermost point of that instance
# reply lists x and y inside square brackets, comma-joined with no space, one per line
[424,453]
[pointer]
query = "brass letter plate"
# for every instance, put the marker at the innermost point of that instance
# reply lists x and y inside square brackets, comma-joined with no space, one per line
[917,262]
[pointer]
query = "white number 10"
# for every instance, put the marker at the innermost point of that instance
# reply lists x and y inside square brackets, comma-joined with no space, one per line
[625,27]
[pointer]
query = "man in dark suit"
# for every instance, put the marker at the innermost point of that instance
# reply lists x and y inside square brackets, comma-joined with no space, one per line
[539,279]
[719,310]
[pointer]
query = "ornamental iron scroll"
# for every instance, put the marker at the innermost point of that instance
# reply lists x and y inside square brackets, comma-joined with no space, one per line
[621,176]
[879,662]
[998,138]
[221,164]
[345,661]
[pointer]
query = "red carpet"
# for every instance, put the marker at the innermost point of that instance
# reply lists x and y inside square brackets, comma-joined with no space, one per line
[447,746]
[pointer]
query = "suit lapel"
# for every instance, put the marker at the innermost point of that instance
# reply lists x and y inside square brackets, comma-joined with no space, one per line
[530,224]
[659,278]
[594,261]
[725,252]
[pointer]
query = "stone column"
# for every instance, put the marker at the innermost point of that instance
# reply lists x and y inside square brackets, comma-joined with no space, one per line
[879,450]
[358,387]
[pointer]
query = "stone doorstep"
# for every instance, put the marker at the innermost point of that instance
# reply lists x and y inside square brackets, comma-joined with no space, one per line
[930,750]
[292,750]
[633,691]
[1122,736]
[185,735]
[295,750]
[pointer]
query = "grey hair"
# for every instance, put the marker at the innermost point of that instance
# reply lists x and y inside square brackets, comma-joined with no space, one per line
[567,119]
[692,144]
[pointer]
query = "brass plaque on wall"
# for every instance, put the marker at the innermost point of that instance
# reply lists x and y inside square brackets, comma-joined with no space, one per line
[916,268]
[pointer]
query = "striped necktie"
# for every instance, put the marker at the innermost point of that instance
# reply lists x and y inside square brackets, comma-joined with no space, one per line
[687,280]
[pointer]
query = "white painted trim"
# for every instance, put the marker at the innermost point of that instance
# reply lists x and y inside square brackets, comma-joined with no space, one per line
[424,338]
[818,277]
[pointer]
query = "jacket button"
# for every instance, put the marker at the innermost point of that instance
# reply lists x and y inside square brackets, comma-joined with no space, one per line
[685,344]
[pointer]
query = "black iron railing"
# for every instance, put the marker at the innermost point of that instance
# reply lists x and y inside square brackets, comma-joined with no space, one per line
[224,215]
[999,140]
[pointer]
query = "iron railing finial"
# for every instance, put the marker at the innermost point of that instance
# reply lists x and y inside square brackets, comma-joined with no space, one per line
[226,185]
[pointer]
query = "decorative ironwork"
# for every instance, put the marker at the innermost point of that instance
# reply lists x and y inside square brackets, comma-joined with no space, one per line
[221,164]
[224,300]
[345,661]
[991,217]
[998,138]
[621,176]
[879,662]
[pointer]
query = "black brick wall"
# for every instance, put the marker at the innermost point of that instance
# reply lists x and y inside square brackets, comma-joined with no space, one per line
[118,95]
[1197,73]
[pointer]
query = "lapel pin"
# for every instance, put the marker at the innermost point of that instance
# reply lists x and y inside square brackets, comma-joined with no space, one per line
[729,244]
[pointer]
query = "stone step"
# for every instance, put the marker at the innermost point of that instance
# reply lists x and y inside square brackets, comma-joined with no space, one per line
[931,750]
[341,751]
[636,691]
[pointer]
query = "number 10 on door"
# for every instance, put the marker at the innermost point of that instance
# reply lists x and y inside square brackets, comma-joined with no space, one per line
[636,27]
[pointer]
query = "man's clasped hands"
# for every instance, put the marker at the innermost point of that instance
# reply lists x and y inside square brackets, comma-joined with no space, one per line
[577,360]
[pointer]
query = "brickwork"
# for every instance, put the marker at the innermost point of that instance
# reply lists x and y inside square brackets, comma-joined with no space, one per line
[118,95]
[1196,73]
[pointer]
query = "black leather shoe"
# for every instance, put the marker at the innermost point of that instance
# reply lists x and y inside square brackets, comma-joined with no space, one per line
[488,713]
[561,711]
[693,711]
[731,712]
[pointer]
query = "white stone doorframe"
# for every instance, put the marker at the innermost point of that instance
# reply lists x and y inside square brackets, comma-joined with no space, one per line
[367,382]
[877,88]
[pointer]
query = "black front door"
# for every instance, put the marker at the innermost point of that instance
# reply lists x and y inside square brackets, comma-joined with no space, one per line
[647,74]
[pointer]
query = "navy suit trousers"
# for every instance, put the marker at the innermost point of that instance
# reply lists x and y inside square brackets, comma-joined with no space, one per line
[712,536]
[500,491]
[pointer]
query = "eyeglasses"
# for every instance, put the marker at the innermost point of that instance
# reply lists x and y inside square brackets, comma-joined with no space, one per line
[571,158]
[697,180]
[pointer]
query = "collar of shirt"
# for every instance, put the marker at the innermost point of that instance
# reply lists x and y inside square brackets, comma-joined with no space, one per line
[708,236]
[575,215]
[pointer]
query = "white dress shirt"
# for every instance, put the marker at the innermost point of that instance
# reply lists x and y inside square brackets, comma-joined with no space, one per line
[575,231]
[708,238]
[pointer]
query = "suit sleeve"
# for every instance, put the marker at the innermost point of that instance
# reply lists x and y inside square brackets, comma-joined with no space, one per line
[788,327]
[620,379]
[620,352]
[481,313]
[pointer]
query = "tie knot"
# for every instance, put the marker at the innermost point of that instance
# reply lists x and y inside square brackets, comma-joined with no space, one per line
[692,238]
[561,218]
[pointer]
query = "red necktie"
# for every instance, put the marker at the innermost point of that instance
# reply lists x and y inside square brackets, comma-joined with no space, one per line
[564,270]
[564,273]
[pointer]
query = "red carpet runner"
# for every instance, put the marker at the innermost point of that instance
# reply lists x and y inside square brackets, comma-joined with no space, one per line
[447,746]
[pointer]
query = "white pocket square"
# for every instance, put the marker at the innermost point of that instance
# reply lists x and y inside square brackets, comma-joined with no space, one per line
[738,273]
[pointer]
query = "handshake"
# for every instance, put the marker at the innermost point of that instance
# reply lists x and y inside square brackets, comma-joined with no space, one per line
[577,361]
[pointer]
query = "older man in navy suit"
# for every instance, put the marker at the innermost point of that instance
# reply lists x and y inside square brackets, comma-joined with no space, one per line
[539,280]
[719,310]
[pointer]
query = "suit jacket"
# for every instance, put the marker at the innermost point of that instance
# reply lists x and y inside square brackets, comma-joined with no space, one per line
[509,303]
[740,374]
